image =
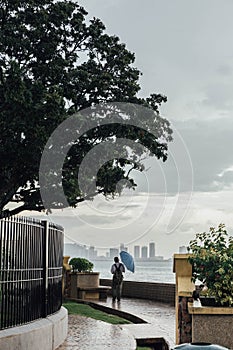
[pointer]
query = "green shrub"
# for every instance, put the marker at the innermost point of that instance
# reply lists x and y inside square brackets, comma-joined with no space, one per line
[212,263]
[81,265]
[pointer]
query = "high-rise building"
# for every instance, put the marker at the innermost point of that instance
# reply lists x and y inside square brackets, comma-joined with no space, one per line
[92,253]
[113,252]
[136,251]
[144,252]
[151,250]
[84,251]
[75,250]
[182,249]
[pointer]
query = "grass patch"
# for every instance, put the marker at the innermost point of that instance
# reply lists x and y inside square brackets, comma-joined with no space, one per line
[88,311]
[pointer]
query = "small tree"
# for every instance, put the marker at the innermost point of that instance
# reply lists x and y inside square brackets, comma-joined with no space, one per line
[212,262]
[81,265]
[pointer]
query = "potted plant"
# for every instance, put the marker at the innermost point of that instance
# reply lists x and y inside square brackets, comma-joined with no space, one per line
[212,263]
[83,279]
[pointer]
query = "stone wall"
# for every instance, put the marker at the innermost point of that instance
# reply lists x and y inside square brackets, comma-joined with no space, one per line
[184,321]
[216,329]
[212,324]
[162,292]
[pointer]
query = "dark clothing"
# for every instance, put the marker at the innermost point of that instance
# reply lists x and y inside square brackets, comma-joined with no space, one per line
[114,267]
[117,269]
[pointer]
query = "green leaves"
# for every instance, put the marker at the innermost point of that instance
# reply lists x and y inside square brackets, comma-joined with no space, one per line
[212,261]
[81,265]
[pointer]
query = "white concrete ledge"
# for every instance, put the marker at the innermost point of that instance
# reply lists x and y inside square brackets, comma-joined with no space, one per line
[44,334]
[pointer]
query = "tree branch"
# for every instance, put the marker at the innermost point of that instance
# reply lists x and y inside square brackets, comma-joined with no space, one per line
[6,213]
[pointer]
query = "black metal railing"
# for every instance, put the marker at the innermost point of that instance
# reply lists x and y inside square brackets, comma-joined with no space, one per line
[31,254]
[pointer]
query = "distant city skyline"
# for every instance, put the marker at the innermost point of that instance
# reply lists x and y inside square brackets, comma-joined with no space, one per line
[140,252]
[140,222]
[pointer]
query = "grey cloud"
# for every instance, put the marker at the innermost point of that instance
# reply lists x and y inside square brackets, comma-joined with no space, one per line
[219,96]
[103,219]
[210,148]
[226,179]
[210,145]
[105,204]
[225,70]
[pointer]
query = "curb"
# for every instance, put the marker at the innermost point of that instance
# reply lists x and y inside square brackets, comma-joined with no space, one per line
[130,317]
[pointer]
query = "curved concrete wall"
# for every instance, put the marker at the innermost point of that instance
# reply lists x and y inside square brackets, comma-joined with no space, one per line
[45,334]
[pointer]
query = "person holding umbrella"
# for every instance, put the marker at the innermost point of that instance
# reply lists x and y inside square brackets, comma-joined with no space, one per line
[117,270]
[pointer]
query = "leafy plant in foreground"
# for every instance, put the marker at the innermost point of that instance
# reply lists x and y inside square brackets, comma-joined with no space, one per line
[212,262]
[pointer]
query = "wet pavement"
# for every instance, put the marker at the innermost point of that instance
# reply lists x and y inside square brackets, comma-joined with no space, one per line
[86,333]
[160,318]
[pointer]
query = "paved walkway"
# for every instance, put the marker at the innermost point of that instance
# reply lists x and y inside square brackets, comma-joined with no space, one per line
[160,318]
[86,333]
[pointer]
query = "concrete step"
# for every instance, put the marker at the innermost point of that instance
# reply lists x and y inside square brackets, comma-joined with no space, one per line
[147,334]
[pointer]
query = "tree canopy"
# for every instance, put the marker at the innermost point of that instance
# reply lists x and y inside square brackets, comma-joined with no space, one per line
[54,63]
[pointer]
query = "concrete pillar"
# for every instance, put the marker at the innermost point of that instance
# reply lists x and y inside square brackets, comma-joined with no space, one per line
[184,285]
[66,276]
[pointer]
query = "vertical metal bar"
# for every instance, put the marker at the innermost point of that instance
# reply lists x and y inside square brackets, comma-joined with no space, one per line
[5,275]
[27,259]
[32,273]
[50,257]
[17,272]
[21,267]
[2,277]
[52,244]
[35,301]
[40,264]
[25,240]
[7,323]
[27,283]
[28,298]
[42,257]
[45,270]
[12,268]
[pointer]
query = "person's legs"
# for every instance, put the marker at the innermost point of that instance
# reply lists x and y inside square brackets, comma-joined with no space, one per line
[118,292]
[114,293]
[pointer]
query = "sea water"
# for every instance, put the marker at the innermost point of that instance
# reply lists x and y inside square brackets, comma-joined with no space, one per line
[145,271]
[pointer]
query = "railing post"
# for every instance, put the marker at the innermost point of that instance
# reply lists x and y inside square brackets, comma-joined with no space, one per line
[45,269]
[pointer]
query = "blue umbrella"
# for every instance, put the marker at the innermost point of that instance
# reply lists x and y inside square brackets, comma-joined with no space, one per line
[127,260]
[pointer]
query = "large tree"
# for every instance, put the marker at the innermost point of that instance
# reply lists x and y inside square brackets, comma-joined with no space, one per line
[54,63]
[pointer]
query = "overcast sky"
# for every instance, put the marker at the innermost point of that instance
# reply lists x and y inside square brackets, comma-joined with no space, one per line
[184,50]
